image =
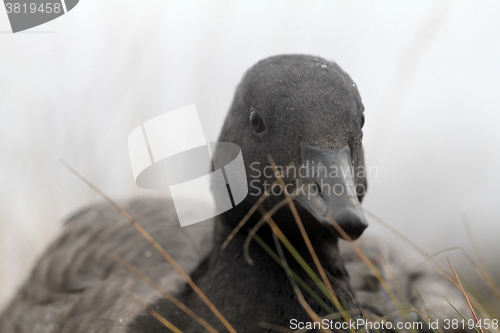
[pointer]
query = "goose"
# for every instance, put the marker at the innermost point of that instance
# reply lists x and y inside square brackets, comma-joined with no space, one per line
[289,111]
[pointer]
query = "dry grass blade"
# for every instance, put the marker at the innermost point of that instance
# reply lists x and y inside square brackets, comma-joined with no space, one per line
[483,273]
[314,317]
[256,228]
[297,278]
[247,216]
[394,280]
[405,73]
[302,229]
[465,295]
[461,315]
[155,314]
[451,249]
[399,290]
[473,294]
[412,244]
[168,296]
[302,262]
[374,289]
[441,270]
[423,319]
[158,247]
[394,314]
[368,263]
[486,276]
[365,259]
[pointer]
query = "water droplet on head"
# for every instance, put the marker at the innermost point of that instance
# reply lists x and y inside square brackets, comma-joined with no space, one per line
[148,254]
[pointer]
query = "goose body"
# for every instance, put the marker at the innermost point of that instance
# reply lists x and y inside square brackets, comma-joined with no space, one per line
[410,280]
[300,110]
[76,286]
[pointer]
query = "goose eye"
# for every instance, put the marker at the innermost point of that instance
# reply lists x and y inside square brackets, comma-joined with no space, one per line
[257,122]
[362,120]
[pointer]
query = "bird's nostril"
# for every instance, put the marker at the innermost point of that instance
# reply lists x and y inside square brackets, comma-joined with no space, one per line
[316,189]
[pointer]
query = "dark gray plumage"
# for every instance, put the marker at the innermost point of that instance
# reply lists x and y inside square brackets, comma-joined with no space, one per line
[300,101]
[77,287]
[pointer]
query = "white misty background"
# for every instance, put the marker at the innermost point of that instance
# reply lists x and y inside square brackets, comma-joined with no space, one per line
[428,71]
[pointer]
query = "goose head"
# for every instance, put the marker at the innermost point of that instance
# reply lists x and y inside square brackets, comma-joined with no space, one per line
[306,113]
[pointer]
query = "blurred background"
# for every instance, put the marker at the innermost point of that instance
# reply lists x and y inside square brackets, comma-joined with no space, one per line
[428,71]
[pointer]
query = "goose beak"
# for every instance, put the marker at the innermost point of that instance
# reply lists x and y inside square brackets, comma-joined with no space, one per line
[329,192]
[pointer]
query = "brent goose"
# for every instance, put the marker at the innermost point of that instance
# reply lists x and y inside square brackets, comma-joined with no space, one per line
[296,111]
